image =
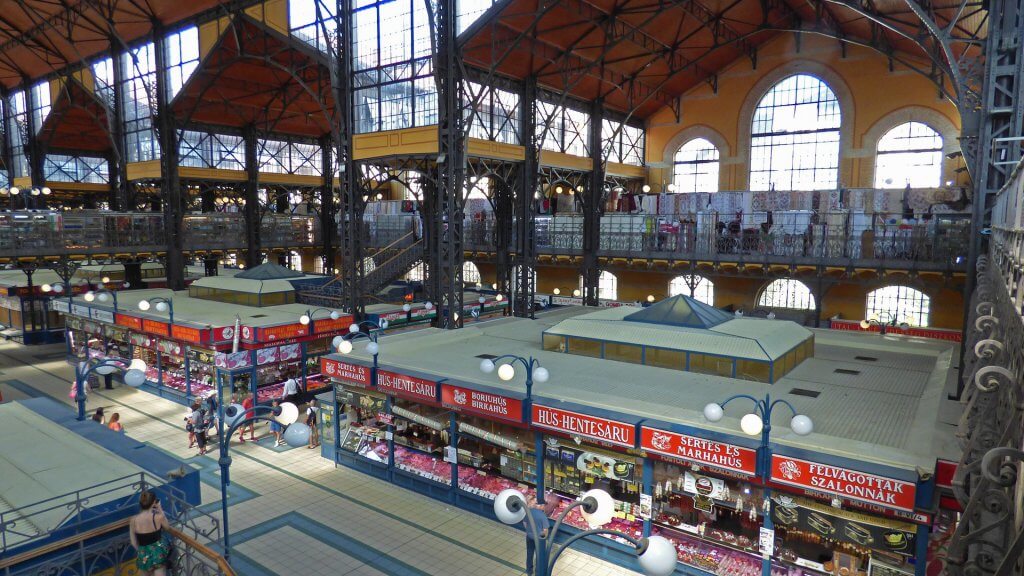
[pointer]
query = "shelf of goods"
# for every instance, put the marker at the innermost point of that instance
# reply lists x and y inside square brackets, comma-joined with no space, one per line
[274,376]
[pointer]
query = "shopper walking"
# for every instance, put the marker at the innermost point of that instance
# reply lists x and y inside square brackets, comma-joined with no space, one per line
[200,425]
[189,425]
[98,416]
[311,415]
[146,531]
[275,427]
[115,423]
[542,525]
[290,391]
[251,426]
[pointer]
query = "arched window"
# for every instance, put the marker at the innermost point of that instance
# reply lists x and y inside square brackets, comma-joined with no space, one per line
[696,287]
[787,293]
[910,153]
[696,167]
[902,302]
[607,286]
[369,265]
[417,273]
[794,140]
[470,273]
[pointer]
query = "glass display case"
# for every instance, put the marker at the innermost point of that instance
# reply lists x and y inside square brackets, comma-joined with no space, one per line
[359,431]
[201,371]
[493,457]
[420,437]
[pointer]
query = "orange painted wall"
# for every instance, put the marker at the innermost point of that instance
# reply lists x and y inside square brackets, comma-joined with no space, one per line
[873,92]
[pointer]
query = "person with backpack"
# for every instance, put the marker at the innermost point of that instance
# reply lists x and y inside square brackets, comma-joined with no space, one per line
[200,424]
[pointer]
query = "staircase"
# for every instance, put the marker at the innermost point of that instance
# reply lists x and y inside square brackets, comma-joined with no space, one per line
[98,543]
[380,269]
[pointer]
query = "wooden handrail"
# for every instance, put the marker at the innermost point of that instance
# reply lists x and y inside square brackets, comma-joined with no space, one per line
[52,547]
[389,246]
[210,554]
[64,543]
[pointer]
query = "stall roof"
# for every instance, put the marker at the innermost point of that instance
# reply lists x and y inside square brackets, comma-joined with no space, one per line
[891,422]
[16,278]
[236,284]
[199,312]
[745,338]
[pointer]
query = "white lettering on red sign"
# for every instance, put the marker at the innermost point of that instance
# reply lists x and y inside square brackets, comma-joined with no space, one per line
[482,402]
[610,431]
[404,385]
[728,456]
[850,484]
[352,373]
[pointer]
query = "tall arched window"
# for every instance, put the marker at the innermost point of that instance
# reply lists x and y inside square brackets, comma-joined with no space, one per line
[369,265]
[607,286]
[910,153]
[696,287]
[787,293]
[794,139]
[900,302]
[470,273]
[696,167]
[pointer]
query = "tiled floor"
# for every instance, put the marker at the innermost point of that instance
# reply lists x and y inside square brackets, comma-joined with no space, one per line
[295,513]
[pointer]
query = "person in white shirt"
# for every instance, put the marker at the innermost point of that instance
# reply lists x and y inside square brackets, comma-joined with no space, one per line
[290,391]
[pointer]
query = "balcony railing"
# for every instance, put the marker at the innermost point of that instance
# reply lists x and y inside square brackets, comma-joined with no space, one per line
[48,233]
[800,237]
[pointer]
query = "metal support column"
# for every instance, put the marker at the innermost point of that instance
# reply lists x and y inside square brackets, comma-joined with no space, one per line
[253,210]
[34,152]
[993,140]
[446,260]
[328,209]
[6,152]
[525,257]
[592,208]
[352,203]
[118,162]
[170,188]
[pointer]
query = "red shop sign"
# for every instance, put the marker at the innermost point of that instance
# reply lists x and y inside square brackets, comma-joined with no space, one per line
[223,334]
[610,431]
[187,333]
[155,327]
[348,373]
[324,325]
[842,482]
[407,386]
[483,403]
[275,333]
[699,450]
[129,321]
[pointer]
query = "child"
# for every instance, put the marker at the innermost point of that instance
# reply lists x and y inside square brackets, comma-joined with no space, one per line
[275,428]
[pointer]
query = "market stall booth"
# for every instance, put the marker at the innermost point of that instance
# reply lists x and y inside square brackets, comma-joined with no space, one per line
[848,500]
[195,347]
[25,313]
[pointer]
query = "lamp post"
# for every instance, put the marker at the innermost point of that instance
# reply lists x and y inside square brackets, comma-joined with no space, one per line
[307,318]
[161,304]
[344,343]
[657,556]
[286,414]
[884,321]
[760,422]
[134,376]
[102,294]
[507,371]
[60,288]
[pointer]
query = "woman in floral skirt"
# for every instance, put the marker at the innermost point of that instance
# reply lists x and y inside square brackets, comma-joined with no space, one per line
[146,531]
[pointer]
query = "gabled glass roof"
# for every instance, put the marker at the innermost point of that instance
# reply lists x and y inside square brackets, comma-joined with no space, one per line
[681,311]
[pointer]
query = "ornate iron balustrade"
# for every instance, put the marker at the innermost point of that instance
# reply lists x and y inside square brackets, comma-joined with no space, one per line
[990,538]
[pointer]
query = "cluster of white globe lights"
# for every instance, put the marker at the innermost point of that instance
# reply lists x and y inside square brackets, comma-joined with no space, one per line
[14,191]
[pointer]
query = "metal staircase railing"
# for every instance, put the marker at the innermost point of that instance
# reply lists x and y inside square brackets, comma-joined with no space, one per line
[381,268]
[101,544]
